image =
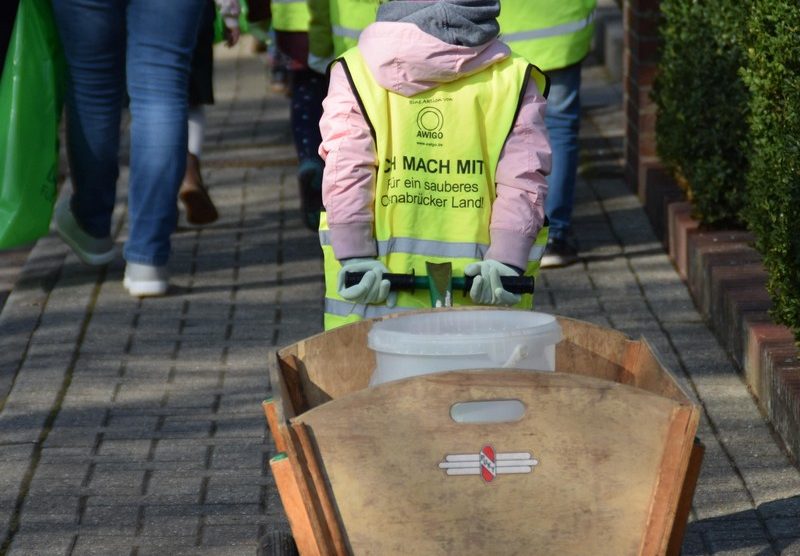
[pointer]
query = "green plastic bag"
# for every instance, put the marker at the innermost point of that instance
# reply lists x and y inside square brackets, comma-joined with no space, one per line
[31,94]
[219,25]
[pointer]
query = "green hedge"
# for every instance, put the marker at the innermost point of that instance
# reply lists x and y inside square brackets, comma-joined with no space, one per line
[772,73]
[702,103]
[728,99]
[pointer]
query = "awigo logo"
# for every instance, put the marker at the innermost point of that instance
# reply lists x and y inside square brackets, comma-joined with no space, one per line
[430,122]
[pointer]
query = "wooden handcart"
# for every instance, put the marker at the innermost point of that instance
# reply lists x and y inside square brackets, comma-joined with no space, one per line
[603,460]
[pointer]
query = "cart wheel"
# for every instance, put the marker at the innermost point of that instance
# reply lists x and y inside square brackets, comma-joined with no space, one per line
[277,543]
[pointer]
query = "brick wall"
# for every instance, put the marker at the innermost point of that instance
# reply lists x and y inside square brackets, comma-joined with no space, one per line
[640,20]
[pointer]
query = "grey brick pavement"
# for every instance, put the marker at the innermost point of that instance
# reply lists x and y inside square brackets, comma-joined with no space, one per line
[11,263]
[134,427]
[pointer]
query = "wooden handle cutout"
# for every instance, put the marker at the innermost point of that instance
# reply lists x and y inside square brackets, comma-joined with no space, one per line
[487,411]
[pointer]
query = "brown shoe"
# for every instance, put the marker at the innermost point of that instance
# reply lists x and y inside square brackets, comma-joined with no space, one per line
[200,208]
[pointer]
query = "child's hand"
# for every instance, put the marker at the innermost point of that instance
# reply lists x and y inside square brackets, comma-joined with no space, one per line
[231,36]
[230,10]
[319,64]
[372,288]
[487,289]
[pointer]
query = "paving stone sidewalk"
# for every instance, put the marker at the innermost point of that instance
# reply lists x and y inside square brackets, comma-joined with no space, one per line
[134,427]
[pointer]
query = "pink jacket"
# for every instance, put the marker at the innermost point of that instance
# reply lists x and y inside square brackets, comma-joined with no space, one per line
[408,61]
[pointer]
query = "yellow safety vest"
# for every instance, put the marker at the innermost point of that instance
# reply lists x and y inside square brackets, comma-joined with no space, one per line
[437,155]
[552,34]
[348,19]
[290,15]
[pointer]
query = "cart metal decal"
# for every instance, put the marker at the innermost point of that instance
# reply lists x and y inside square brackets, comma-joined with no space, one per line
[488,464]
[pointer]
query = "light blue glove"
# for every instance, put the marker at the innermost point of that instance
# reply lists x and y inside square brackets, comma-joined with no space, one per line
[486,287]
[319,64]
[372,288]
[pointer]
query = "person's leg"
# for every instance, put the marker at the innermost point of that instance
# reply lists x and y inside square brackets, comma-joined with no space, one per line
[93,33]
[197,128]
[308,91]
[563,123]
[199,207]
[562,118]
[278,72]
[161,37]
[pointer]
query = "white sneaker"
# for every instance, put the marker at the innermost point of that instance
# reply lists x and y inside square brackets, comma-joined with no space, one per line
[91,250]
[558,253]
[144,280]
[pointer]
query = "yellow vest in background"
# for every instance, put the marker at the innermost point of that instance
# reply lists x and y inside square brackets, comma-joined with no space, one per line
[435,177]
[290,15]
[348,19]
[552,34]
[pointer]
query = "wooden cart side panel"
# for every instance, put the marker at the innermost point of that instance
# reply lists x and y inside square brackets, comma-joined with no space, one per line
[592,351]
[308,494]
[687,494]
[292,370]
[295,508]
[678,448]
[271,413]
[332,520]
[605,342]
[284,408]
[337,362]
[652,375]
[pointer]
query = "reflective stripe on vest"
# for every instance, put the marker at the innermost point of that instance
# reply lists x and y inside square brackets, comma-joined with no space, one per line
[343,309]
[290,15]
[348,19]
[556,30]
[339,31]
[437,153]
[554,35]
[344,38]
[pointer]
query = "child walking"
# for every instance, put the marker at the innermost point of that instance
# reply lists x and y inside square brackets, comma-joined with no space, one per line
[435,150]
[290,19]
[193,194]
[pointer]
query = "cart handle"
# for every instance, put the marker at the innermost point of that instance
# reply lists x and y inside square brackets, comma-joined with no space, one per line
[410,282]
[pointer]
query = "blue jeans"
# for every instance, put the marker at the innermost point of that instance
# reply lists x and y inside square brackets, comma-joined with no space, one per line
[563,117]
[150,42]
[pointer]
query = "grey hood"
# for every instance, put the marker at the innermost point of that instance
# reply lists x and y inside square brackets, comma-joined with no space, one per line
[456,22]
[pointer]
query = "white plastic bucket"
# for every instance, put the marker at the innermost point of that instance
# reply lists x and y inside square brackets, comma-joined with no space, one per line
[465,339]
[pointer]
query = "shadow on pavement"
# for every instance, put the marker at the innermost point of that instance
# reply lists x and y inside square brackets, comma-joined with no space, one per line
[776,523]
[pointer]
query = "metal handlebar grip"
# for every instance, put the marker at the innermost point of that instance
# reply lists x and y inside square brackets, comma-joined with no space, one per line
[513,284]
[405,282]
[410,282]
